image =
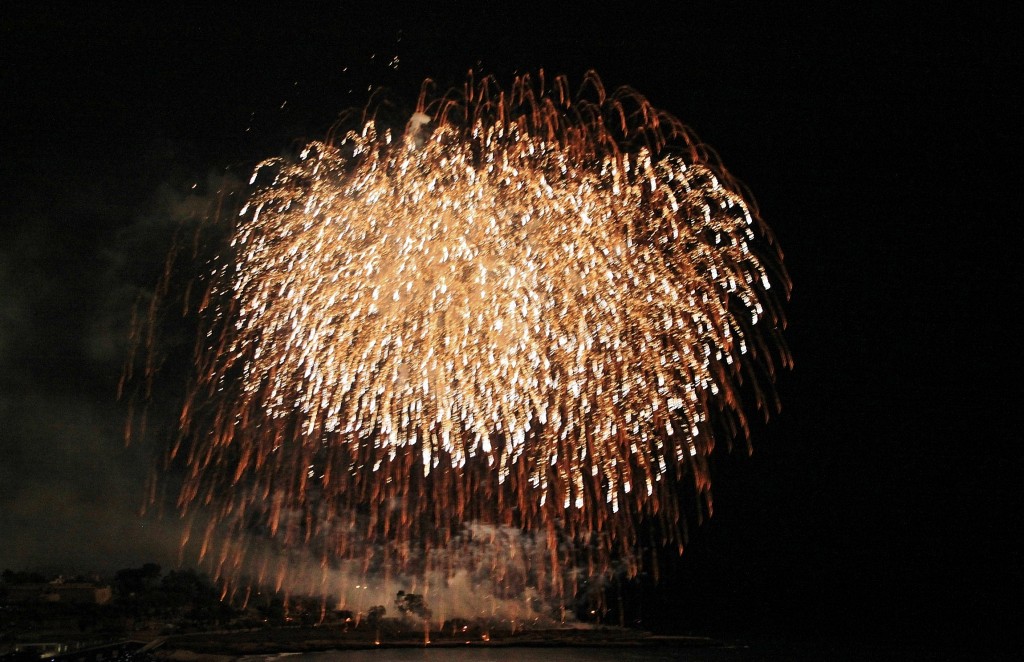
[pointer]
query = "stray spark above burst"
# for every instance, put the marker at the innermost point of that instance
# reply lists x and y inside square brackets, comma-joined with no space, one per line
[529,309]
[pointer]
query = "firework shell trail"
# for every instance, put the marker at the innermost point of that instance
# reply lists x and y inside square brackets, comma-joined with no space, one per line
[533,310]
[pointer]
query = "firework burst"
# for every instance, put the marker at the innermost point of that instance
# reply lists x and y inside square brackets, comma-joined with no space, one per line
[531,311]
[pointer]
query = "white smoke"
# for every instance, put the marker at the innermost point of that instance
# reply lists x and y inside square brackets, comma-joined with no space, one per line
[485,574]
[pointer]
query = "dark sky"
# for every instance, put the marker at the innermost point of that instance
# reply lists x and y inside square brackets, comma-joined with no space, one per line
[882,145]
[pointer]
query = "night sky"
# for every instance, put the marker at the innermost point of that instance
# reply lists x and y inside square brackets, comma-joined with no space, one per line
[882,146]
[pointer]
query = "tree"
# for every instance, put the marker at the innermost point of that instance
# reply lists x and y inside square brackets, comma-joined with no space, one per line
[412,603]
[133,581]
[22,577]
[375,615]
[273,611]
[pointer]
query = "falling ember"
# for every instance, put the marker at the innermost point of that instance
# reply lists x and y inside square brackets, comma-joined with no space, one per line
[532,312]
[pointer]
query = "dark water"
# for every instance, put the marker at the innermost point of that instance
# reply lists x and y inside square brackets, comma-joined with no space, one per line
[722,653]
[514,654]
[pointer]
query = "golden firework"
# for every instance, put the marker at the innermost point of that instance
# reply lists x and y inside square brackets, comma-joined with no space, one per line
[532,310]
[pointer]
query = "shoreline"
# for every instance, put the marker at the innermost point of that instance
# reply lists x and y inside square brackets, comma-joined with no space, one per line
[222,647]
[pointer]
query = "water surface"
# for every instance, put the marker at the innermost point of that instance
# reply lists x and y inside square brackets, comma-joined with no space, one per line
[522,654]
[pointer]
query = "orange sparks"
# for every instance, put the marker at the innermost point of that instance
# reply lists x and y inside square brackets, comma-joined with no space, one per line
[531,312]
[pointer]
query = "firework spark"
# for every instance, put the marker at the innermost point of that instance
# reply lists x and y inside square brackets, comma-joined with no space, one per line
[532,311]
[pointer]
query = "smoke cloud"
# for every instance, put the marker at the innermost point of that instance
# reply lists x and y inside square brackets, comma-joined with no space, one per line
[70,278]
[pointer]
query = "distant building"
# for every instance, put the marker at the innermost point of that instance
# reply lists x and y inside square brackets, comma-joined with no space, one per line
[43,649]
[73,593]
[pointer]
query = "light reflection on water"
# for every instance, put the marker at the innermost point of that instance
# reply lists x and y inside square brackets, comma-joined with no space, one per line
[513,654]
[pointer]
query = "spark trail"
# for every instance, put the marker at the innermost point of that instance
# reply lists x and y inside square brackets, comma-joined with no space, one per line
[533,311]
